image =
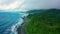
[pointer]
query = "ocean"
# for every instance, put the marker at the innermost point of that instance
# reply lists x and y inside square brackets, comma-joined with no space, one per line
[10,21]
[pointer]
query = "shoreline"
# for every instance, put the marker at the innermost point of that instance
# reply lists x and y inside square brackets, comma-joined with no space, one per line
[21,29]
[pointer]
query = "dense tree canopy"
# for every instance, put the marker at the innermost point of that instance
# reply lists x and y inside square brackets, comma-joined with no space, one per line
[46,22]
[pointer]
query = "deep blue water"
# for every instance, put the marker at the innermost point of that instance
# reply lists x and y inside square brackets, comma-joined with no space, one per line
[9,22]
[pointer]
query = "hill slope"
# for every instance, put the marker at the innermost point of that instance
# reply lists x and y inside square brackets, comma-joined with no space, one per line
[47,22]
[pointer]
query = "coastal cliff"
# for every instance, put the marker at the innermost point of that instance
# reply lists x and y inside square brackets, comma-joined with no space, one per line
[45,22]
[21,29]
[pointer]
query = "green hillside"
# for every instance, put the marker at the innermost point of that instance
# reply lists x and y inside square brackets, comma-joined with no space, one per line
[46,22]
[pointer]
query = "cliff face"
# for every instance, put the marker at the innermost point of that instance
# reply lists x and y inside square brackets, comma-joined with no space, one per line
[21,29]
[47,22]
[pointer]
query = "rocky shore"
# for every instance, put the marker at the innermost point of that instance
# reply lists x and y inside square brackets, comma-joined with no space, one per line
[21,29]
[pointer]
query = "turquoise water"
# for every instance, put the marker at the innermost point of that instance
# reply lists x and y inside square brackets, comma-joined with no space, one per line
[9,22]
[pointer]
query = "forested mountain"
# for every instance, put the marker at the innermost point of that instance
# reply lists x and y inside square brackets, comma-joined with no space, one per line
[44,22]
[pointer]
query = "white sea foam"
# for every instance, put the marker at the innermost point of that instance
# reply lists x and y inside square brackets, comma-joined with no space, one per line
[15,26]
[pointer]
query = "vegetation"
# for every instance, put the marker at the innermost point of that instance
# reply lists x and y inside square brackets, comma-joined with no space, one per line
[46,22]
